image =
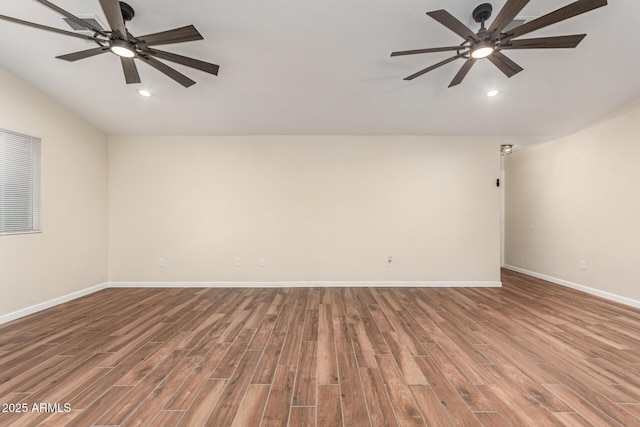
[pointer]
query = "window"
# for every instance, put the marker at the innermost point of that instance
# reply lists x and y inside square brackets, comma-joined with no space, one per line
[19,183]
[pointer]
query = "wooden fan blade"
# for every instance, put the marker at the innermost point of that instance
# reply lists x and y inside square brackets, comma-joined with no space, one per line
[113,13]
[130,70]
[463,72]
[430,50]
[207,67]
[504,64]
[506,15]
[72,17]
[558,42]
[83,54]
[569,11]
[433,67]
[177,35]
[44,27]
[452,23]
[163,68]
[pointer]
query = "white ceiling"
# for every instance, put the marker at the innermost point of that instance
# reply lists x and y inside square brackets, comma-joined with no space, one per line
[323,67]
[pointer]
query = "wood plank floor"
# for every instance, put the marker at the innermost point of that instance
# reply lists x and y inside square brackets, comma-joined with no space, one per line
[529,353]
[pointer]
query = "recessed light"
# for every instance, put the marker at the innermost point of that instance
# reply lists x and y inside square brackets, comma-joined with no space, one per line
[144,93]
[493,93]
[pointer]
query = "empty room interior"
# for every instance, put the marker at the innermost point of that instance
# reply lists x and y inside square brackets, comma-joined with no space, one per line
[331,213]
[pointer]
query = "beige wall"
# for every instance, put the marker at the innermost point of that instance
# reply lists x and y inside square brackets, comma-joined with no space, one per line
[578,198]
[316,208]
[71,253]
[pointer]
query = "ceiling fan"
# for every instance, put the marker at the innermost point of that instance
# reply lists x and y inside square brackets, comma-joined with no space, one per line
[119,41]
[490,42]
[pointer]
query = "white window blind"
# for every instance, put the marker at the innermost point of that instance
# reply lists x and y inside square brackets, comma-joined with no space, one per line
[19,183]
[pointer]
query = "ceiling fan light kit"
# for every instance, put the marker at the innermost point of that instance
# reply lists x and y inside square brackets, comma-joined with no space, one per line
[122,43]
[482,49]
[122,48]
[490,42]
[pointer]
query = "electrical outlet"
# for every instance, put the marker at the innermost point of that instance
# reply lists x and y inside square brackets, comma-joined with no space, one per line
[261,262]
[389,260]
[161,262]
[236,261]
[583,264]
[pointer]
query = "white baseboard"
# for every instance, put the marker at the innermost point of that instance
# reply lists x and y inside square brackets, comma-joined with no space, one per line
[5,318]
[303,284]
[577,286]
[66,298]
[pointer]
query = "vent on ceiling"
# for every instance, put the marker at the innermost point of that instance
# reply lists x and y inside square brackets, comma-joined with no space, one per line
[517,21]
[90,19]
